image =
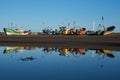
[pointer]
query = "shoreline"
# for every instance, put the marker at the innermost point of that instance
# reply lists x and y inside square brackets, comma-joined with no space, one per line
[53,45]
[111,42]
[112,38]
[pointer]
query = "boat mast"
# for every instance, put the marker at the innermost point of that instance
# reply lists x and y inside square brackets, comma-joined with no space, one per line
[11,25]
[74,24]
[68,25]
[93,27]
[43,25]
[103,23]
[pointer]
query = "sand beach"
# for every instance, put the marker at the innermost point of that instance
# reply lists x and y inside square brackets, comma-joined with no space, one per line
[69,41]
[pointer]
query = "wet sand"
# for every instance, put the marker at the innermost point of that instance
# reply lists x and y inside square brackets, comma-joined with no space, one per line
[111,42]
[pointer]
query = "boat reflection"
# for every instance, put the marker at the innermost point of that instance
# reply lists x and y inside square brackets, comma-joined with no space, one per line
[105,52]
[60,51]
[66,51]
[17,49]
[79,51]
[20,49]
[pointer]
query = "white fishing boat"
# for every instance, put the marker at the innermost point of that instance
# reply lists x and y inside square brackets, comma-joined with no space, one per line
[17,31]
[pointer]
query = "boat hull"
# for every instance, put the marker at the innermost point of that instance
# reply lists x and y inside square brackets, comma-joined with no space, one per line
[13,32]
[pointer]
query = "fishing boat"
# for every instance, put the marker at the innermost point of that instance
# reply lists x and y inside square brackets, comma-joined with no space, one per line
[17,31]
[102,31]
[105,31]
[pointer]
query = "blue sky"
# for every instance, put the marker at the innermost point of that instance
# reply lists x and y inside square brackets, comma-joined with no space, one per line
[32,14]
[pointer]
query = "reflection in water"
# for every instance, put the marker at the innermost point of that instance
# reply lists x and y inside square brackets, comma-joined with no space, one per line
[13,49]
[78,51]
[28,58]
[66,51]
[105,53]
[61,51]
[68,62]
[20,49]
[17,49]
